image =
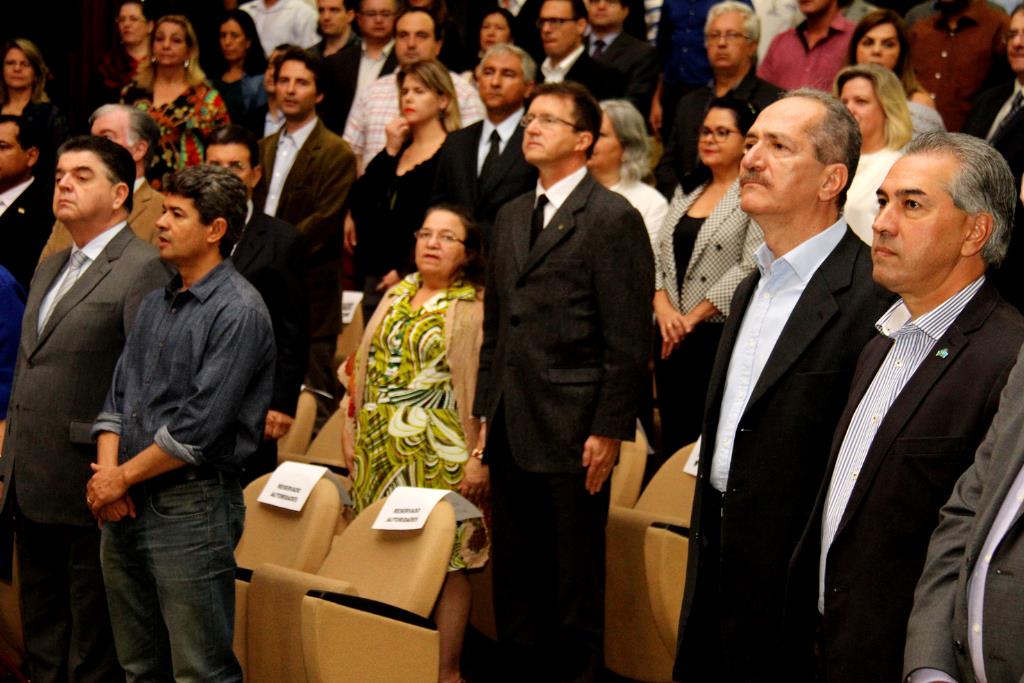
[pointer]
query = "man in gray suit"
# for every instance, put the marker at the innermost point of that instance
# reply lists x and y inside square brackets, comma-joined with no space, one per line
[567,331]
[82,302]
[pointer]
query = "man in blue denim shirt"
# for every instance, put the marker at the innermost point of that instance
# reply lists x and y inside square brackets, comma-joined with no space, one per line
[184,411]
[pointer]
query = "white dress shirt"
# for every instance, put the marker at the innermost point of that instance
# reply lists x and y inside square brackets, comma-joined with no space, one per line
[651,204]
[559,192]
[369,67]
[913,341]
[862,196]
[506,129]
[288,147]
[555,73]
[8,197]
[286,21]
[783,280]
[91,251]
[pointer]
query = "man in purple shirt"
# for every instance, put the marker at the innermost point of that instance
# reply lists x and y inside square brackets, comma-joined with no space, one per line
[811,54]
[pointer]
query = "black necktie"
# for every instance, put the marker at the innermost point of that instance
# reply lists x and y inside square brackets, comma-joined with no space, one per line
[492,154]
[1010,120]
[537,220]
[598,48]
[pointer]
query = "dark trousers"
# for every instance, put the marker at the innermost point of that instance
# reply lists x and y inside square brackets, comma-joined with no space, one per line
[548,553]
[322,378]
[682,380]
[63,604]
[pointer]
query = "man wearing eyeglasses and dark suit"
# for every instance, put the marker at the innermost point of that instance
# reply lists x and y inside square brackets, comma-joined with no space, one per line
[562,24]
[567,324]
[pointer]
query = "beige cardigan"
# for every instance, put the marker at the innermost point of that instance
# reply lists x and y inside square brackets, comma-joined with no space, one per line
[463,335]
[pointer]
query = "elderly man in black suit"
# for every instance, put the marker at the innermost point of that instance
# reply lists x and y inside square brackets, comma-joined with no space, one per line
[567,331]
[481,166]
[924,394]
[998,117]
[778,386]
[272,256]
[562,26]
[731,33]
[26,211]
[77,317]
[635,59]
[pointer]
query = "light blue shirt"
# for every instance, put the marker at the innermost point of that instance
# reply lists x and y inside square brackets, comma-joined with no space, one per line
[506,129]
[782,283]
[288,147]
[913,341]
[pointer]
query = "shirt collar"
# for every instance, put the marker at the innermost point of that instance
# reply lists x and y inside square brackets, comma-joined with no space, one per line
[935,322]
[206,286]
[972,13]
[505,129]
[10,196]
[300,136]
[138,183]
[806,257]
[560,191]
[839,24]
[607,38]
[385,51]
[563,66]
[97,244]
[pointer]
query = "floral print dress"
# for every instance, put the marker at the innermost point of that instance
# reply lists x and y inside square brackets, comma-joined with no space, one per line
[408,431]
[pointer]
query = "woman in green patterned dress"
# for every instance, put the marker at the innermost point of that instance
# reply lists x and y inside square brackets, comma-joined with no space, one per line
[410,397]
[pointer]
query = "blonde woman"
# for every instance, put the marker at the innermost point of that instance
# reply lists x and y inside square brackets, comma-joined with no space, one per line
[391,198]
[23,93]
[173,90]
[876,99]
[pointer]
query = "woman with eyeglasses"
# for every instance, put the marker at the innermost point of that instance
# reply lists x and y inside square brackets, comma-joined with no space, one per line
[705,249]
[408,408]
[875,97]
[391,197]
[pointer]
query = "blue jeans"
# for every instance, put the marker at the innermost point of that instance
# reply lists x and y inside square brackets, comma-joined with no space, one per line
[170,578]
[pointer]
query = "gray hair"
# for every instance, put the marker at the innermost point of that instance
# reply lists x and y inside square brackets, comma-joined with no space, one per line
[983,183]
[529,65]
[141,127]
[751,22]
[836,137]
[632,134]
[216,193]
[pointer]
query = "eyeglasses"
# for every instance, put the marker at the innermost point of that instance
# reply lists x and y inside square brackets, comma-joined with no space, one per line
[730,36]
[546,121]
[555,22]
[233,165]
[375,14]
[719,134]
[445,237]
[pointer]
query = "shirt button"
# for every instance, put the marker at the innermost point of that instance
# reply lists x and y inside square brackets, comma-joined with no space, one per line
[944,54]
[988,558]
[976,628]
[899,364]
[938,76]
[853,475]
[874,419]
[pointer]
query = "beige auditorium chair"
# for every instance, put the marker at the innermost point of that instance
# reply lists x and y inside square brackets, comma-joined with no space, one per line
[299,540]
[401,569]
[301,432]
[326,447]
[628,475]
[646,566]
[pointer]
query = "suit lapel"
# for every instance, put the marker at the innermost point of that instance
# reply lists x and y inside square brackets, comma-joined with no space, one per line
[560,226]
[252,243]
[303,160]
[48,272]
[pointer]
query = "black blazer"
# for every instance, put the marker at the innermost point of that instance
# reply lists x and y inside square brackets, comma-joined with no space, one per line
[924,443]
[272,257]
[24,228]
[779,455]
[341,76]
[604,82]
[637,62]
[680,154]
[1011,145]
[457,181]
[567,326]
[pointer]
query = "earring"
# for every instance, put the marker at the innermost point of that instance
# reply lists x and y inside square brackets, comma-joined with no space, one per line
[186,63]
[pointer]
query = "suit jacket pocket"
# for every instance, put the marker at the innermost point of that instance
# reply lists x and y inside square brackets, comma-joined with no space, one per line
[575,375]
[80,432]
[928,447]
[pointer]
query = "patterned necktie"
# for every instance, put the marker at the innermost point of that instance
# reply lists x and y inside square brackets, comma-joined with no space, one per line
[76,266]
[1010,120]
[537,220]
[492,154]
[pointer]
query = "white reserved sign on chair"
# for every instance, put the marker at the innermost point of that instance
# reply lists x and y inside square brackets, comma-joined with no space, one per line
[409,506]
[290,485]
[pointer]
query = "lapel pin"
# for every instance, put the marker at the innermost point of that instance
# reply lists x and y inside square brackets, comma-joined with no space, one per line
[21,210]
[942,353]
[561,226]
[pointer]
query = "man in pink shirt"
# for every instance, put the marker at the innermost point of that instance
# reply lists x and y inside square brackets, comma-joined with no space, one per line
[811,54]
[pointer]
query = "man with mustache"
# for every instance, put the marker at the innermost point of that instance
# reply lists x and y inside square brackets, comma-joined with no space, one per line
[925,391]
[777,389]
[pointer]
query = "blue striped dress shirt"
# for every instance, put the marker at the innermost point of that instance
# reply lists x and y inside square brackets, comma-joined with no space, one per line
[913,340]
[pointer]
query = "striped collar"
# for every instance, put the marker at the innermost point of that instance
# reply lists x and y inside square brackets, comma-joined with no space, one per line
[935,322]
